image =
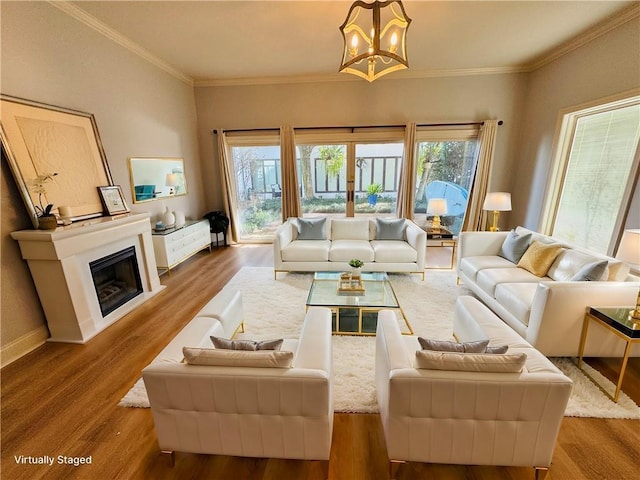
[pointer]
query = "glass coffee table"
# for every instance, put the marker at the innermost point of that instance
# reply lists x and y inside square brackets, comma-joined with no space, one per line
[355,314]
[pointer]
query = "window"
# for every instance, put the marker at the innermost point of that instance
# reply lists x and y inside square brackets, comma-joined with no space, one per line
[445,167]
[596,168]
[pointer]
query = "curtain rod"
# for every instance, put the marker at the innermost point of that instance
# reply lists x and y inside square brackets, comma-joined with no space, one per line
[461,124]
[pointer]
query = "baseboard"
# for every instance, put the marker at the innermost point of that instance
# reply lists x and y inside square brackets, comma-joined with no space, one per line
[23,345]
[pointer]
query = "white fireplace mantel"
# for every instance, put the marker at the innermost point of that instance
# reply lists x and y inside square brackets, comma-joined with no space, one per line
[59,263]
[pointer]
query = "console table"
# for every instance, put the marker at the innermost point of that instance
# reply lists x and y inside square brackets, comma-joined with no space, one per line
[174,245]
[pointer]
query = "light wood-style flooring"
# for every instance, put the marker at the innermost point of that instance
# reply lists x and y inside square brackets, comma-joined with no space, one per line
[62,399]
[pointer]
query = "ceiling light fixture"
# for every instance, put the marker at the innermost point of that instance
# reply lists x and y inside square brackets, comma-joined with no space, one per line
[375,39]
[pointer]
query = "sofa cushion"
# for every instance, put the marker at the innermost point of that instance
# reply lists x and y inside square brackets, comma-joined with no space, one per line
[489,278]
[478,346]
[591,272]
[393,251]
[306,251]
[470,266]
[312,228]
[471,362]
[237,358]
[390,229]
[247,345]
[569,262]
[349,229]
[345,250]
[517,299]
[539,257]
[514,246]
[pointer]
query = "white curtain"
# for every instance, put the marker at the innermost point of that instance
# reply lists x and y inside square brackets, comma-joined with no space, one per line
[406,189]
[228,186]
[290,190]
[476,217]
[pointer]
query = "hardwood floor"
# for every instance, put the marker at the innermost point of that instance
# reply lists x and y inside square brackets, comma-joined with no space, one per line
[62,400]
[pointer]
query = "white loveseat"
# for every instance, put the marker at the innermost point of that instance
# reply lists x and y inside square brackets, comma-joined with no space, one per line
[270,412]
[345,239]
[468,417]
[547,311]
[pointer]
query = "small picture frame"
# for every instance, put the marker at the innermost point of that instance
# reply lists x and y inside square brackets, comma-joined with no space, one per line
[113,200]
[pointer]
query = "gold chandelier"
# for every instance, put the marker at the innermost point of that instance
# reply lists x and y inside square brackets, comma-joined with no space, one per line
[375,39]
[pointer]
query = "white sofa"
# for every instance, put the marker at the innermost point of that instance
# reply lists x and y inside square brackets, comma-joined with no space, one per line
[546,311]
[245,411]
[467,417]
[348,238]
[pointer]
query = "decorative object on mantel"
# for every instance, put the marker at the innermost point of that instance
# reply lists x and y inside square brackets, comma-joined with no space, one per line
[497,202]
[375,37]
[113,200]
[39,138]
[169,218]
[65,214]
[46,219]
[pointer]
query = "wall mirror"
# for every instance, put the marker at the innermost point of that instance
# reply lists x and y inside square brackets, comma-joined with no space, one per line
[155,178]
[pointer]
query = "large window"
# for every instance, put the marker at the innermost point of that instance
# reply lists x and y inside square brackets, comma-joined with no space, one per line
[445,167]
[596,174]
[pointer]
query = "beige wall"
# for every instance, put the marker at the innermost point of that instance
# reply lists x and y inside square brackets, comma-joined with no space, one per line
[606,66]
[385,102]
[140,110]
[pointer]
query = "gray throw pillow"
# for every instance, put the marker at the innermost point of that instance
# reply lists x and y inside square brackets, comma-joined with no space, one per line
[497,350]
[514,246]
[248,345]
[591,272]
[389,229]
[311,229]
[445,346]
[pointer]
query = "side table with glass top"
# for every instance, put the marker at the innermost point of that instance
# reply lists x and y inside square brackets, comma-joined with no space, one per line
[619,322]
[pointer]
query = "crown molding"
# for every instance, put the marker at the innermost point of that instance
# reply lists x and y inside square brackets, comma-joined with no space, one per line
[587,36]
[341,77]
[92,22]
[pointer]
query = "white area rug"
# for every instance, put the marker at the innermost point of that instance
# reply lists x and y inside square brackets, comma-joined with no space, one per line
[275,309]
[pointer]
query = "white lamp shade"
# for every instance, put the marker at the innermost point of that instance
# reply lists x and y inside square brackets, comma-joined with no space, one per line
[497,201]
[437,206]
[172,180]
[629,249]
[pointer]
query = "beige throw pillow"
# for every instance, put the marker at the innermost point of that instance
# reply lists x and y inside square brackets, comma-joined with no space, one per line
[247,345]
[237,358]
[539,257]
[470,362]
[447,346]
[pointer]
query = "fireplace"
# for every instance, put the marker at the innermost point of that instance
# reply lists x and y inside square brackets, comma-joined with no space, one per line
[116,279]
[90,274]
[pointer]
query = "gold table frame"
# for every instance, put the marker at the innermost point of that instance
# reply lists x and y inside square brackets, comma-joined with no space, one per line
[591,314]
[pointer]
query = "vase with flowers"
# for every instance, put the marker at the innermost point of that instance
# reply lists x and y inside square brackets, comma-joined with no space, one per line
[46,218]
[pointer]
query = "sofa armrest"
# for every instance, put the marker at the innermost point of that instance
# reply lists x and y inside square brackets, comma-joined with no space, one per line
[417,238]
[314,347]
[557,313]
[282,237]
[473,244]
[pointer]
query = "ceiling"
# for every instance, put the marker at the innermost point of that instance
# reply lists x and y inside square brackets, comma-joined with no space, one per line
[227,42]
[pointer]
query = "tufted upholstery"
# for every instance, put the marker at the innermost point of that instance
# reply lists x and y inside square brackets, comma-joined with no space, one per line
[252,412]
[468,418]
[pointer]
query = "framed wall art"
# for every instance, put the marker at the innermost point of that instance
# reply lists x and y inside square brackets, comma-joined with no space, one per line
[113,199]
[45,141]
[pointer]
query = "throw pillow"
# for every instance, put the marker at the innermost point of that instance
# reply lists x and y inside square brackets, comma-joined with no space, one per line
[470,362]
[539,257]
[234,358]
[390,229]
[497,350]
[514,246]
[311,229]
[591,272]
[247,345]
[447,346]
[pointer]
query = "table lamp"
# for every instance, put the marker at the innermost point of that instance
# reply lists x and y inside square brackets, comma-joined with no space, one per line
[436,207]
[629,252]
[497,202]
[172,181]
